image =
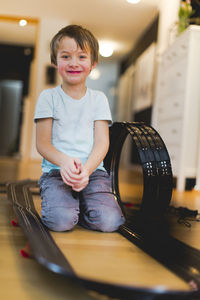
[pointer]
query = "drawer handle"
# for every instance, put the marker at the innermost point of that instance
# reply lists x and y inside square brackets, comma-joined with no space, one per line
[174,131]
[176,104]
[178,74]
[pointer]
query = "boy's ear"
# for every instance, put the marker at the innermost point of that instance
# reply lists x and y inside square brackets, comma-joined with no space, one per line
[53,65]
[93,66]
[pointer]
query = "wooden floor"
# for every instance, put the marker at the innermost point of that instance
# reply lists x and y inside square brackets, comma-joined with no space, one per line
[100,256]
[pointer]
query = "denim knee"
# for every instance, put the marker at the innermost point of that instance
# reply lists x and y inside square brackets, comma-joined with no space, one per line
[106,220]
[60,218]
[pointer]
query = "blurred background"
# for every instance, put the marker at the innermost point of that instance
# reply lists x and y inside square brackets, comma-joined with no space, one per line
[140,42]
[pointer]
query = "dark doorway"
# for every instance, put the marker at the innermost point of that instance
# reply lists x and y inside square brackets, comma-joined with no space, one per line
[14,85]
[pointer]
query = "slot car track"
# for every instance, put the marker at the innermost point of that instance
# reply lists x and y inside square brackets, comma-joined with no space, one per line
[145,227]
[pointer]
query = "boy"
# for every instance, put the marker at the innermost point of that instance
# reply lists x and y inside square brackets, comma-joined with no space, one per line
[72,136]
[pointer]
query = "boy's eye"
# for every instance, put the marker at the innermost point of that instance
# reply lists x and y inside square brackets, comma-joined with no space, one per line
[83,56]
[65,56]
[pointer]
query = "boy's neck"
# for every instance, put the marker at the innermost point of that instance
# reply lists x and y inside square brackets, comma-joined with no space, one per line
[75,92]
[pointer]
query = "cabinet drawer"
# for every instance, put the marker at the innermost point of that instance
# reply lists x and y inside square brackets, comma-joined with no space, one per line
[178,50]
[172,80]
[171,107]
[175,54]
[171,131]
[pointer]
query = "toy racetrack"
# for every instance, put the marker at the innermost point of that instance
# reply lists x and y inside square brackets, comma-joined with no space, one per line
[145,228]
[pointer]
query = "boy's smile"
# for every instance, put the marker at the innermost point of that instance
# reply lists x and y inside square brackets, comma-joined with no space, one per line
[73,63]
[75,72]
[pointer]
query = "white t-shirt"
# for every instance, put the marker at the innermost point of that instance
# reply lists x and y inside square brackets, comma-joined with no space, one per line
[73,121]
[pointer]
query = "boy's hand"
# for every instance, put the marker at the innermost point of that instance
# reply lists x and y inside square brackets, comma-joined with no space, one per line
[70,170]
[83,180]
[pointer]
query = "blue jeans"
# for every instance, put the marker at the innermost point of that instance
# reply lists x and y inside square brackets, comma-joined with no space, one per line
[94,208]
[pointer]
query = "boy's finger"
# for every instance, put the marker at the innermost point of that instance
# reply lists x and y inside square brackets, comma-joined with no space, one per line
[78,189]
[66,181]
[77,161]
[69,179]
[73,175]
[77,168]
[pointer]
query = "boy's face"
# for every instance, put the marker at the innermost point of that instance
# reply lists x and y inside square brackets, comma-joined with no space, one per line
[73,63]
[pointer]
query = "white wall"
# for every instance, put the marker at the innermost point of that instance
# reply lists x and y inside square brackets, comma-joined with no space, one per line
[107,83]
[167,23]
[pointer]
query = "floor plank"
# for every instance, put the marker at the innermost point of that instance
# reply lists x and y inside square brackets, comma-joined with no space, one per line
[111,258]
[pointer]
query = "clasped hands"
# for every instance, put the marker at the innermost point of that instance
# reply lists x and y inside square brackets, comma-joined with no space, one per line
[74,173]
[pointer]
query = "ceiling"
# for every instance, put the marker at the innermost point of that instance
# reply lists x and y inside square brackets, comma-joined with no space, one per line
[115,20]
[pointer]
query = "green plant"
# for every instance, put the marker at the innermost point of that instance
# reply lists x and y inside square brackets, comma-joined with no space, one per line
[184,14]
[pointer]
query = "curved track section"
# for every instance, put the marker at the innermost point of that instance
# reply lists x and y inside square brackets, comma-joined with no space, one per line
[154,160]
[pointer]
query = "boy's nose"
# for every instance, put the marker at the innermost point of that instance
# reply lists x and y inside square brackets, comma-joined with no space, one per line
[74,61]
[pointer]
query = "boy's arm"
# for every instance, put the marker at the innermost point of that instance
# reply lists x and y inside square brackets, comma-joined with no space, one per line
[99,151]
[100,147]
[69,167]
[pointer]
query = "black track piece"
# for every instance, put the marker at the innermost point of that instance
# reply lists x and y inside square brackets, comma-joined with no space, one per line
[150,174]
[180,258]
[163,167]
[43,247]
[157,184]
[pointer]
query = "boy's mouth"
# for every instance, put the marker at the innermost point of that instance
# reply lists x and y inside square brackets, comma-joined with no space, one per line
[74,72]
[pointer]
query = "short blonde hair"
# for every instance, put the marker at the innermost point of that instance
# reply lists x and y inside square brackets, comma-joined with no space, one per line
[83,37]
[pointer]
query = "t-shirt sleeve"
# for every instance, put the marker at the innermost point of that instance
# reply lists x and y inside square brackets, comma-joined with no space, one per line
[102,110]
[44,106]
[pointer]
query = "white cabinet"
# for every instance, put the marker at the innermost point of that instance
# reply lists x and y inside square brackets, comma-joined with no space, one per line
[176,110]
